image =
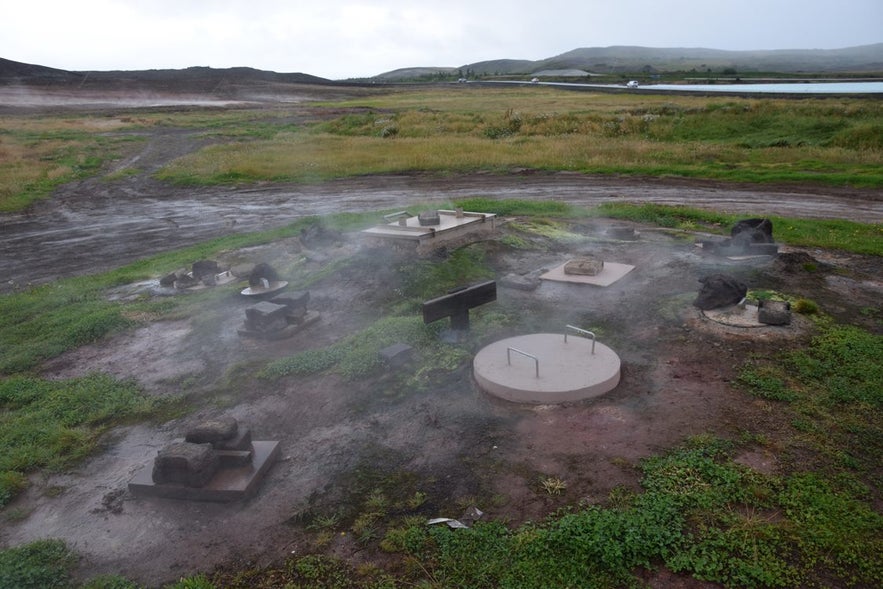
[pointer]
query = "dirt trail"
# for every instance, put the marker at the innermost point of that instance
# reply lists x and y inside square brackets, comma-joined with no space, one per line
[93,225]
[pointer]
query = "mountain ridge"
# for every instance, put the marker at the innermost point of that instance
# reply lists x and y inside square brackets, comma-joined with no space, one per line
[616,59]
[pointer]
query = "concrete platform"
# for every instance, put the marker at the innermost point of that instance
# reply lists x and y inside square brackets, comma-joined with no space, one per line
[229,484]
[453,228]
[611,272]
[568,371]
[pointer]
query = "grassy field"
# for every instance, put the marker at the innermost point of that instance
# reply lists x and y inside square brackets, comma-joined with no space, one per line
[832,141]
[835,143]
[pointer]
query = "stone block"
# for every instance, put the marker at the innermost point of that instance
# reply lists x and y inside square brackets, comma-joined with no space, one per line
[184,463]
[584,266]
[265,315]
[213,430]
[397,355]
[241,441]
[774,312]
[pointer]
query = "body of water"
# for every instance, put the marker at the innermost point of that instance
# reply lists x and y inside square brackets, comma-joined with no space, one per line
[764,88]
[791,88]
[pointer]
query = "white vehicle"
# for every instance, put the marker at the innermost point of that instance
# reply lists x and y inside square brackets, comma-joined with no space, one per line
[632,84]
[534,80]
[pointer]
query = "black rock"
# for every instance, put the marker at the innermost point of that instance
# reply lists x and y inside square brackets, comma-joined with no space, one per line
[719,290]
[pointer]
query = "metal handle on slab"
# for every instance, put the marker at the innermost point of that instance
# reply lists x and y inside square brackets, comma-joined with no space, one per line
[581,331]
[517,351]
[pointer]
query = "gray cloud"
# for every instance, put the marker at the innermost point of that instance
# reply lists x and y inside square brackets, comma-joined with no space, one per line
[351,38]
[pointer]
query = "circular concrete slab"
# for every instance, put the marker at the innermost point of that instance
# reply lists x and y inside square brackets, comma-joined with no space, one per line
[562,371]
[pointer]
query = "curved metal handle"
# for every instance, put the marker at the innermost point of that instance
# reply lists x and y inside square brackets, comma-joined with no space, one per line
[581,331]
[517,351]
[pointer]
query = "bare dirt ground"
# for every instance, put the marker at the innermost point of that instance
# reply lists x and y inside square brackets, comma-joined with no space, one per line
[461,446]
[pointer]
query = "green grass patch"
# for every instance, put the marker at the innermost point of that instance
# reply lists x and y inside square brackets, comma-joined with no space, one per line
[358,355]
[447,131]
[859,238]
[42,322]
[53,424]
[834,389]
[44,564]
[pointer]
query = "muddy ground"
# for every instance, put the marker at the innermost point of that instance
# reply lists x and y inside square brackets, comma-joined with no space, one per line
[447,439]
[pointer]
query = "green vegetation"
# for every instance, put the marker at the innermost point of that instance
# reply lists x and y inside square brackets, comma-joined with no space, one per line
[38,154]
[830,141]
[835,234]
[357,356]
[699,513]
[53,424]
[835,391]
[748,140]
[45,564]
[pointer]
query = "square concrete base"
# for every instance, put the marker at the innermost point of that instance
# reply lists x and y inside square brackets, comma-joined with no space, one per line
[229,484]
[611,272]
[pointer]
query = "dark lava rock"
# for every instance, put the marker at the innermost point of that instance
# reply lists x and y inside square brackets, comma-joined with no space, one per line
[719,290]
[749,231]
[184,463]
[202,268]
[262,270]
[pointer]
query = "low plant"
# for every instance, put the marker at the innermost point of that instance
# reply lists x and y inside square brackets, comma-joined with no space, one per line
[54,423]
[805,307]
[110,582]
[553,485]
[44,564]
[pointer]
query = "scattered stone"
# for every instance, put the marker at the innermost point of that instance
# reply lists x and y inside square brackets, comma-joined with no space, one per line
[242,270]
[262,271]
[215,430]
[397,355]
[280,317]
[265,316]
[428,218]
[185,463]
[186,281]
[203,268]
[748,237]
[318,235]
[774,312]
[168,280]
[719,290]
[748,231]
[584,266]
[798,263]
[228,466]
[296,304]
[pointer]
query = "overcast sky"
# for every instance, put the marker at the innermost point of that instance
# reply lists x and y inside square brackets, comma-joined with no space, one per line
[340,39]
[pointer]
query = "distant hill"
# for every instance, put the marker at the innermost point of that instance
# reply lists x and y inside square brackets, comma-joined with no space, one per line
[195,79]
[865,59]
[630,59]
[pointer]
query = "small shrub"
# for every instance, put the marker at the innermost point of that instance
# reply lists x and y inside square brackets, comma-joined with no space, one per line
[805,307]
[553,485]
[11,484]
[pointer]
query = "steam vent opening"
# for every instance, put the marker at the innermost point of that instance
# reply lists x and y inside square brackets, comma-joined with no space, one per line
[547,368]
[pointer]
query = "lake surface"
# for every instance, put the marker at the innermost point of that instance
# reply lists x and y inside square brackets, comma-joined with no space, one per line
[791,88]
[779,88]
